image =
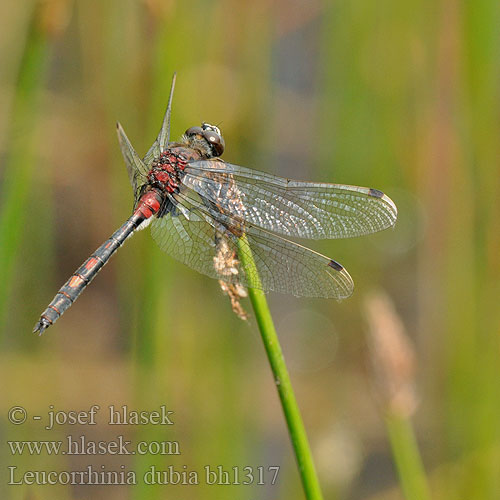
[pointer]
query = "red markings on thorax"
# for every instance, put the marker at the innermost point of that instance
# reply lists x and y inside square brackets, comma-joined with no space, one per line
[166,171]
[164,177]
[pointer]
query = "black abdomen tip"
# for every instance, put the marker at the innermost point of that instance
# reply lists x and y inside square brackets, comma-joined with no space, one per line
[335,265]
[42,325]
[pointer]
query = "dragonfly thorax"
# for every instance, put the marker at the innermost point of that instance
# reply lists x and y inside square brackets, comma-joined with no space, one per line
[166,172]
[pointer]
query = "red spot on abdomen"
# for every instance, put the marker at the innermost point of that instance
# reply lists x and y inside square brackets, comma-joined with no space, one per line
[149,204]
[75,281]
[91,263]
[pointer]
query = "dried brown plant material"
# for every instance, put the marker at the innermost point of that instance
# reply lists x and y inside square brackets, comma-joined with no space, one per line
[226,263]
[235,293]
[53,16]
[159,9]
[392,355]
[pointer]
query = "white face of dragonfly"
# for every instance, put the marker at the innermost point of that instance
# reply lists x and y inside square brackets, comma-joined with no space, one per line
[208,138]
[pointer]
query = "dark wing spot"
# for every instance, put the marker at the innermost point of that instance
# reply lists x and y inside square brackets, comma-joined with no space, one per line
[376,193]
[335,265]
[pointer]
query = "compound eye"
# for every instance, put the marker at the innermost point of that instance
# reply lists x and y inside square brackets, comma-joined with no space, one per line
[215,140]
[194,131]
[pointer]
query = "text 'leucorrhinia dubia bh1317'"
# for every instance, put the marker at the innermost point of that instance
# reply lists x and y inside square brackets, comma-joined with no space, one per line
[199,206]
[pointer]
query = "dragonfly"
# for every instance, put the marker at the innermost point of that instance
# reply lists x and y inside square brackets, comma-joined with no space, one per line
[199,206]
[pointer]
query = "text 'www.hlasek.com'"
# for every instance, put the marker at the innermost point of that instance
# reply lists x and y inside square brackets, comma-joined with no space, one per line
[79,445]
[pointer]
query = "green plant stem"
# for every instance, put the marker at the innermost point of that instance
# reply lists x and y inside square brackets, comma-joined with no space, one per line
[20,157]
[282,379]
[407,457]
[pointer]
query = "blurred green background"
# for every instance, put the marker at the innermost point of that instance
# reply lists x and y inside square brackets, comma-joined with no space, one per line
[400,96]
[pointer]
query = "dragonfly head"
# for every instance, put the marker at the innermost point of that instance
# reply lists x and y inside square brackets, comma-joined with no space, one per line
[209,135]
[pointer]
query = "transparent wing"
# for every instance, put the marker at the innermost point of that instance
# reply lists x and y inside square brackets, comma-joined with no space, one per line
[192,241]
[137,170]
[292,208]
[161,141]
[199,239]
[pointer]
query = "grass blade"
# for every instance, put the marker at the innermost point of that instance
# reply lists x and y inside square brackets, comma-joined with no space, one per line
[407,457]
[20,156]
[291,410]
[394,367]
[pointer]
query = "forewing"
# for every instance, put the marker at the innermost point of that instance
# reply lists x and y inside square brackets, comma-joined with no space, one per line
[292,208]
[161,141]
[153,152]
[137,170]
[283,266]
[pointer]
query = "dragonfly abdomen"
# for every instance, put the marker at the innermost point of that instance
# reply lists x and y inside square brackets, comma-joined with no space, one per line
[79,280]
[148,205]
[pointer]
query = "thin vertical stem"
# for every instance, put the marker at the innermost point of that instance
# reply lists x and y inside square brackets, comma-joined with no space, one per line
[407,457]
[291,410]
[20,155]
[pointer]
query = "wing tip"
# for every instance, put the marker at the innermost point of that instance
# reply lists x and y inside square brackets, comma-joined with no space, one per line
[119,131]
[335,265]
[376,193]
[344,284]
